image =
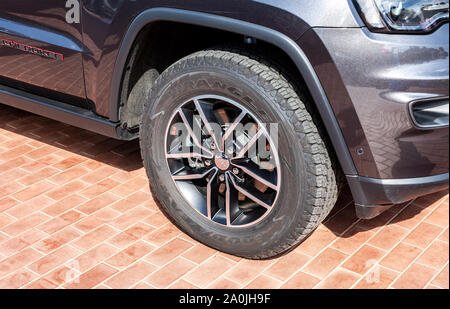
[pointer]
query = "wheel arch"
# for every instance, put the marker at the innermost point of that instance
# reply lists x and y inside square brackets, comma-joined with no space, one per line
[262,33]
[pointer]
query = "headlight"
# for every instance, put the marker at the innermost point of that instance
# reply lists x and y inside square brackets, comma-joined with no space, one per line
[403,15]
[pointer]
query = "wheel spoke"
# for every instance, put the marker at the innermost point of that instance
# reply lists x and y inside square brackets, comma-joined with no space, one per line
[251,193]
[212,196]
[207,115]
[249,144]
[231,202]
[190,175]
[188,155]
[233,126]
[253,170]
[194,138]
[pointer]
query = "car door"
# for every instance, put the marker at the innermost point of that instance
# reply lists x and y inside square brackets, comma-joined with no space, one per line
[40,51]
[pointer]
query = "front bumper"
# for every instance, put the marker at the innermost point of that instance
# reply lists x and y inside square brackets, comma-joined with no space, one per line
[373,196]
[382,75]
[373,82]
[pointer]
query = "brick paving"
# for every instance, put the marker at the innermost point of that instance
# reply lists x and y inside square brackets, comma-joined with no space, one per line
[76,212]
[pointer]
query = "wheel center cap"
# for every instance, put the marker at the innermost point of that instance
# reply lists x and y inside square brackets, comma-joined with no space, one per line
[222,162]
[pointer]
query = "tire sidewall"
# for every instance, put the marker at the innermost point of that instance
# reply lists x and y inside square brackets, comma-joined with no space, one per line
[187,83]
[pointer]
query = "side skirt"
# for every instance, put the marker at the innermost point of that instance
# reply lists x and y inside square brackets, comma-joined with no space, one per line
[72,115]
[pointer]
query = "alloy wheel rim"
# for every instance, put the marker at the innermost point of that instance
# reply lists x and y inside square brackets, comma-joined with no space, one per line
[223,161]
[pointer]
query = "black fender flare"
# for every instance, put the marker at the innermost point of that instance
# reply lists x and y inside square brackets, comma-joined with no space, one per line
[247,29]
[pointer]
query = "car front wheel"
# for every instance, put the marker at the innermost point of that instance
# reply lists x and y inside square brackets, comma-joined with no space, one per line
[234,156]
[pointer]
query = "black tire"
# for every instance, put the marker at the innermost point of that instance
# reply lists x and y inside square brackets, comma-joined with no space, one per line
[309,187]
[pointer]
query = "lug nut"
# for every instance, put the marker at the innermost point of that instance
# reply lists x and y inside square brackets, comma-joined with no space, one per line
[208,163]
[213,146]
[235,171]
[222,178]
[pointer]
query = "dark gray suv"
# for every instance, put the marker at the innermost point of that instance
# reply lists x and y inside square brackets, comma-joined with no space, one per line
[251,114]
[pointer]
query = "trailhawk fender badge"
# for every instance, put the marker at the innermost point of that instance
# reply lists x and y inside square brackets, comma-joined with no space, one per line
[32,50]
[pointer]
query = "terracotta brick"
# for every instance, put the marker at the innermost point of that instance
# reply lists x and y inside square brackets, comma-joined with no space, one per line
[436,255]
[444,236]
[69,162]
[93,277]
[33,191]
[168,252]
[411,216]
[131,186]
[99,174]
[60,222]
[11,188]
[423,235]
[287,265]
[130,254]
[442,279]
[353,239]
[95,256]
[378,278]
[19,243]
[130,235]
[415,277]
[341,279]
[325,262]
[41,284]
[224,284]
[5,220]
[246,270]
[29,207]
[157,220]
[68,175]
[199,253]
[40,175]
[24,224]
[12,175]
[103,216]
[99,188]
[68,189]
[15,163]
[439,217]
[170,273]
[131,217]
[18,261]
[264,282]
[97,203]
[130,276]
[7,202]
[95,237]
[183,285]
[301,281]
[321,238]
[400,257]
[388,237]
[54,259]
[41,152]
[15,152]
[142,286]
[131,201]
[363,259]
[17,280]
[207,272]
[342,221]
[64,205]
[57,240]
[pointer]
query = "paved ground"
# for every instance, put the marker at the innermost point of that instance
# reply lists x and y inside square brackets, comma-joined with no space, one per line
[73,202]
